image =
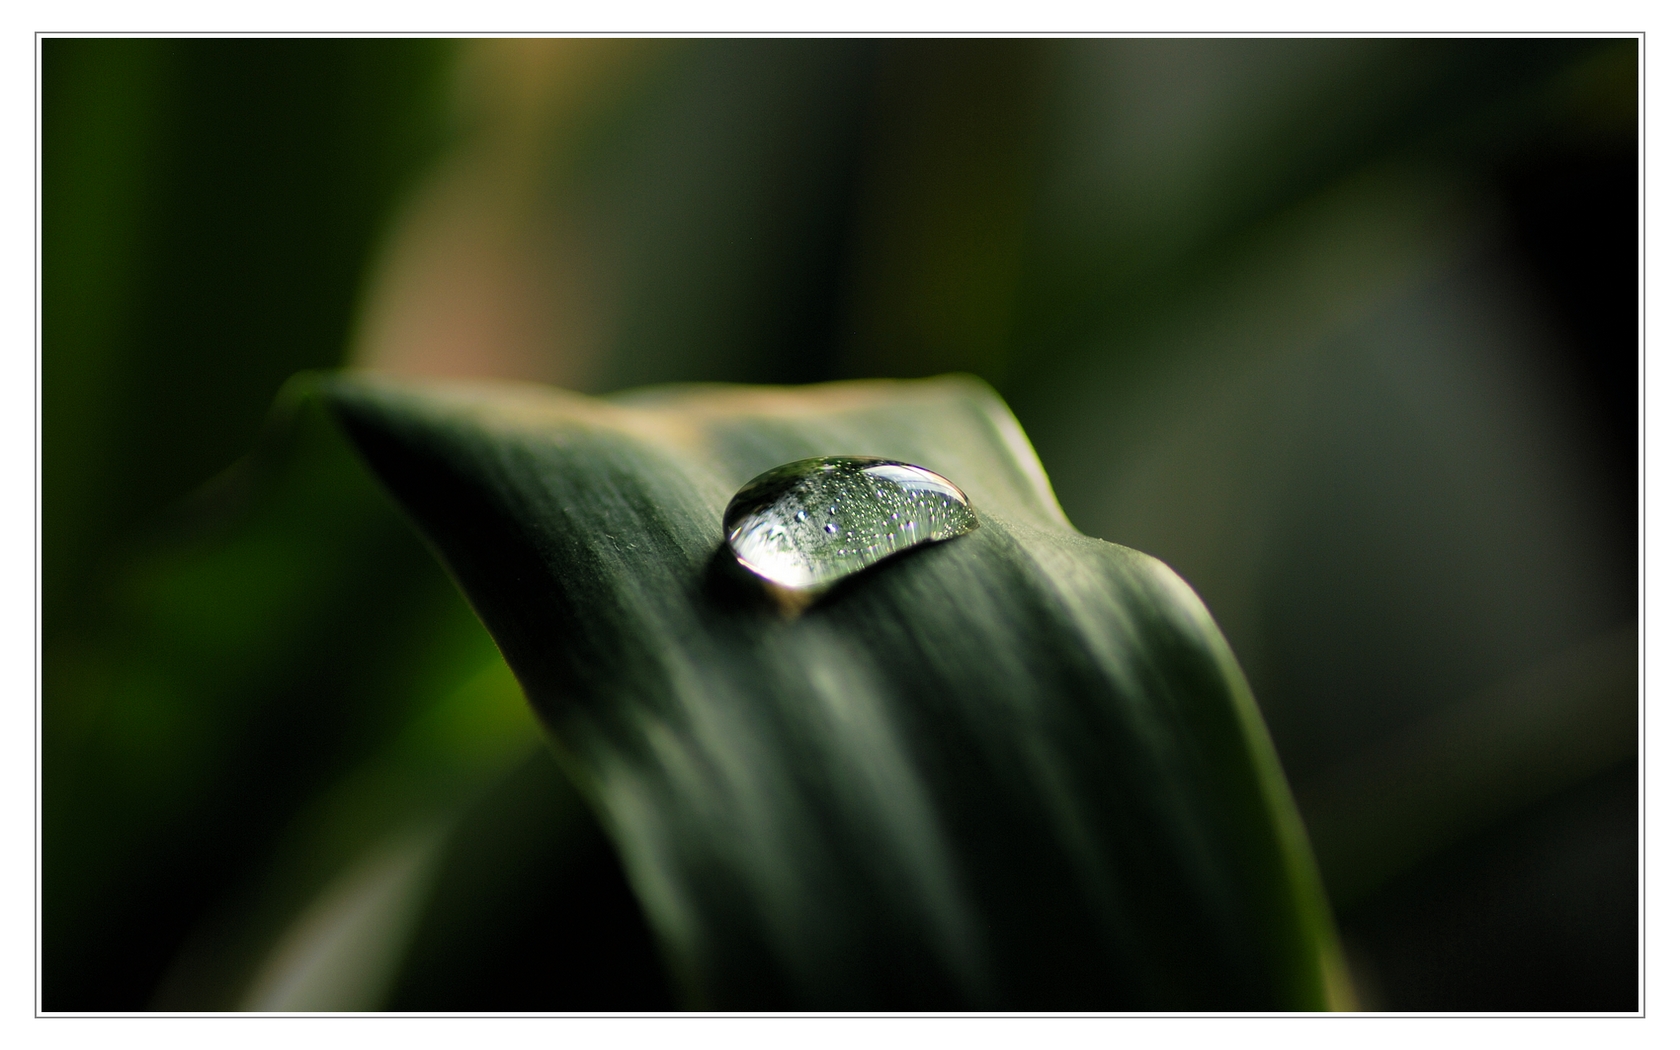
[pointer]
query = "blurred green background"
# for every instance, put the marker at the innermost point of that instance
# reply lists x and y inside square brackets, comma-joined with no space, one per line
[1343,330]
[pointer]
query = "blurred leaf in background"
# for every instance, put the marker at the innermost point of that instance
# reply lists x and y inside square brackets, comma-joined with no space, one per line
[1342,330]
[207,210]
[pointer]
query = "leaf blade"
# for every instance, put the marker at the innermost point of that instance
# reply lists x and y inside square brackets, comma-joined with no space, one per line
[1019,769]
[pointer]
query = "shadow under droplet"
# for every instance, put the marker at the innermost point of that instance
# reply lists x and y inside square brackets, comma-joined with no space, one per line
[728,586]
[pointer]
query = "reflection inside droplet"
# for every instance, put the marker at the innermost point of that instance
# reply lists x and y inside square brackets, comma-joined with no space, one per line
[883,506]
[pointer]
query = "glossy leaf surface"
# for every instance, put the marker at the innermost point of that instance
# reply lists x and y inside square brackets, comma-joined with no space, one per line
[1016,770]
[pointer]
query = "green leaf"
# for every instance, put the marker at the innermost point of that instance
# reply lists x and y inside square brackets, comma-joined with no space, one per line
[1016,770]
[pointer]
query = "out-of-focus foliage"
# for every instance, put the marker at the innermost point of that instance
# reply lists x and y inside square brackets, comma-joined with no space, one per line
[207,210]
[1342,330]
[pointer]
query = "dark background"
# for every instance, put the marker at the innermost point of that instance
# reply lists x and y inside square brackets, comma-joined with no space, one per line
[1343,330]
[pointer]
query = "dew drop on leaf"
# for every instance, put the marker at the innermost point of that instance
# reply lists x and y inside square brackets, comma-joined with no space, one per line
[884,506]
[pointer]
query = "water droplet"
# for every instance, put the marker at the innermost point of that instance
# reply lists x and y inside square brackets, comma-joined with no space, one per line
[770,530]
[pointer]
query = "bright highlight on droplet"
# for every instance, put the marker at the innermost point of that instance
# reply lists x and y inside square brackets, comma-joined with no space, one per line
[807,524]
